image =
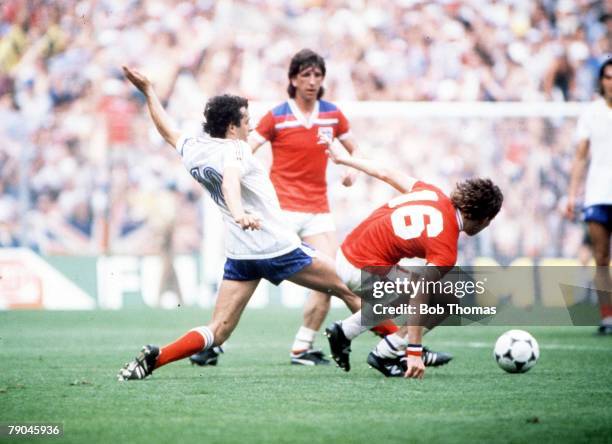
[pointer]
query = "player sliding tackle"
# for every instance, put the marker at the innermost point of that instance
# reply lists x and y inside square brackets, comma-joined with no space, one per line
[423,222]
[259,242]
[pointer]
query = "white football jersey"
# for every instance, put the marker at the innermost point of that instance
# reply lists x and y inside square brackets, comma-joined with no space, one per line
[206,158]
[595,124]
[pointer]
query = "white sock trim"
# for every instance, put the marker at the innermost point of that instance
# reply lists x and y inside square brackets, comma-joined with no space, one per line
[398,342]
[305,334]
[207,334]
[391,346]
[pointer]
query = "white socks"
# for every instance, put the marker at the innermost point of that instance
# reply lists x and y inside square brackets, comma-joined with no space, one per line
[352,327]
[303,339]
[391,346]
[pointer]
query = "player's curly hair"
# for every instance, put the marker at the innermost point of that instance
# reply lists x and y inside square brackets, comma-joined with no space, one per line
[477,199]
[602,68]
[222,111]
[300,61]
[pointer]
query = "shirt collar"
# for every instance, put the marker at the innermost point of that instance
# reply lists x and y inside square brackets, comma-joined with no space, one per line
[299,116]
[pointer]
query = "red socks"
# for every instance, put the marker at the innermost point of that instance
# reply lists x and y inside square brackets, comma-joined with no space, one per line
[385,328]
[605,310]
[183,347]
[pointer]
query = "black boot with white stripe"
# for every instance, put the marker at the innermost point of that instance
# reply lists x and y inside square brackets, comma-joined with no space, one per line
[435,359]
[396,367]
[309,357]
[142,365]
[390,367]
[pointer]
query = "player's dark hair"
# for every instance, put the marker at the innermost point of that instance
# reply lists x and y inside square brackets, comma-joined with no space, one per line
[306,58]
[602,68]
[222,111]
[477,199]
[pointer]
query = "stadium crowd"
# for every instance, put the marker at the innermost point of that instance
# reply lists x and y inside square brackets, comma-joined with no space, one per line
[83,172]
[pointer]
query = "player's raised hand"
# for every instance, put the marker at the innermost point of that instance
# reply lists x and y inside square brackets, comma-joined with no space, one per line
[570,208]
[248,222]
[415,367]
[138,79]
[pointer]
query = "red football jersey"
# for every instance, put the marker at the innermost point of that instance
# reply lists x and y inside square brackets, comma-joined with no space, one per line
[298,161]
[421,223]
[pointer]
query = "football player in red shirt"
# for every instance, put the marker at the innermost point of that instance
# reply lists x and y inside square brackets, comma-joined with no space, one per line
[298,171]
[299,164]
[422,222]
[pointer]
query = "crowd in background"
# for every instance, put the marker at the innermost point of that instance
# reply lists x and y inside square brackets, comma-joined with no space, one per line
[83,171]
[529,158]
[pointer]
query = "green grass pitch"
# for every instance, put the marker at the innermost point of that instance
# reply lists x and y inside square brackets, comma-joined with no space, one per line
[61,367]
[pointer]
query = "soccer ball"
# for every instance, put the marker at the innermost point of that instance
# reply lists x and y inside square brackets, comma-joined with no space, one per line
[516,351]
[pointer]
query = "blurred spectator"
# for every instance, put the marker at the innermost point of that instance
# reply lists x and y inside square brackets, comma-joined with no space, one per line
[81,164]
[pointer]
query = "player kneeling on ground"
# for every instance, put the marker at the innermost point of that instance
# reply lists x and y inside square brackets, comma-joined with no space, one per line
[423,222]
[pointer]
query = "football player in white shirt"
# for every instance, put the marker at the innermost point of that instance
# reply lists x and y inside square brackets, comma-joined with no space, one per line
[595,142]
[259,243]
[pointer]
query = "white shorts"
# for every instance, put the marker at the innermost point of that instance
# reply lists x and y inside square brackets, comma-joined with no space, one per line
[309,224]
[347,272]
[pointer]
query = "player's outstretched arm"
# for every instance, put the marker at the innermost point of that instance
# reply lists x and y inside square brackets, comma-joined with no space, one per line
[164,124]
[349,177]
[233,199]
[397,179]
[579,167]
[415,367]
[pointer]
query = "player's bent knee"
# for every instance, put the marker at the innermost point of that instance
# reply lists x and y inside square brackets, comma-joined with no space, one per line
[342,291]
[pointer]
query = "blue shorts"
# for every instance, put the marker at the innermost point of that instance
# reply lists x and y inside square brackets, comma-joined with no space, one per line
[599,213]
[275,269]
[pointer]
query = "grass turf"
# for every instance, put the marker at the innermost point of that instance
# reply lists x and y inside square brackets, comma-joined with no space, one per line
[61,366]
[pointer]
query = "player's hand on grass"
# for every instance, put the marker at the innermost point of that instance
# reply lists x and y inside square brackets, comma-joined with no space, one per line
[415,367]
[248,222]
[138,79]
